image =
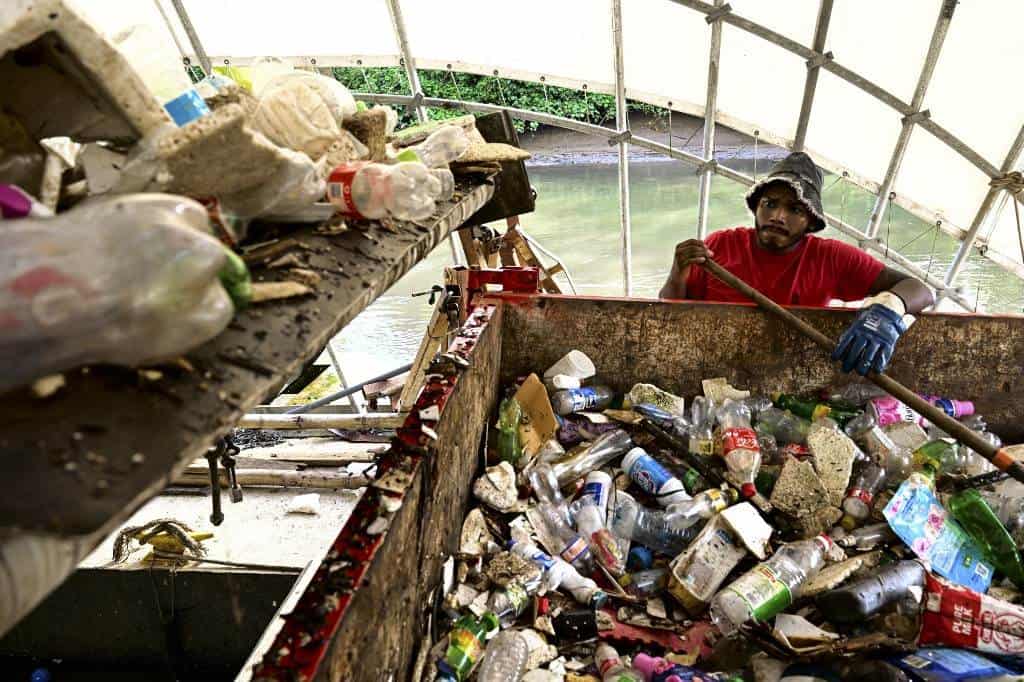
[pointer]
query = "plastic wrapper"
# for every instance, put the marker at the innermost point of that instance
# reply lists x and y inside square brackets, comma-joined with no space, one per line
[957,616]
[303,111]
[127,280]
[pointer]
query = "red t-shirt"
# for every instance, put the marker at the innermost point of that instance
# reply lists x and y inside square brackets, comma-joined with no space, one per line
[814,273]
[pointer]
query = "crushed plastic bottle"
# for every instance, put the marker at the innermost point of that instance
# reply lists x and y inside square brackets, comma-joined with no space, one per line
[558,536]
[897,461]
[510,447]
[603,449]
[867,538]
[505,658]
[785,426]
[811,410]
[704,505]
[854,395]
[441,147]
[371,191]
[969,508]
[590,516]
[740,448]
[868,480]
[649,527]
[510,603]
[581,399]
[646,583]
[1010,511]
[770,587]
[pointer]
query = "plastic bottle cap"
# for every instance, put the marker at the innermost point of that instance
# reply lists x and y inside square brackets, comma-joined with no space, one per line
[848,522]
[748,490]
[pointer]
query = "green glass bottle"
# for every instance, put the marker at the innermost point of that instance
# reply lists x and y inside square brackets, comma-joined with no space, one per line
[982,524]
[466,644]
[510,446]
[812,409]
[933,458]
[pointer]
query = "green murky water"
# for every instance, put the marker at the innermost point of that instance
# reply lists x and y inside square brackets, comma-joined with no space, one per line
[577,218]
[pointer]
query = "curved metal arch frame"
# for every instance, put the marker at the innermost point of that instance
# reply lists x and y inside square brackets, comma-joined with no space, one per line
[715,14]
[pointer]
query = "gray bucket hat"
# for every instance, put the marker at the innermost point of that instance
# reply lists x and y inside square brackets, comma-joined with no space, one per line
[799,172]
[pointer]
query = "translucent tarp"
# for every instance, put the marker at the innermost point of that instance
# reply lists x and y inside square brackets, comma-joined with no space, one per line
[666,45]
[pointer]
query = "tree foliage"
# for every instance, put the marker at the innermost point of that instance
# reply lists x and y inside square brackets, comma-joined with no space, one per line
[575,104]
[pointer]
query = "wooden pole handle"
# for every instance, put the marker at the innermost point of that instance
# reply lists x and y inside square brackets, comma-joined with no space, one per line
[997,456]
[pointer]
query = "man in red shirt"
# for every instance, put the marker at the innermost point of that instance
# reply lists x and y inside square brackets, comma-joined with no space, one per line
[781,258]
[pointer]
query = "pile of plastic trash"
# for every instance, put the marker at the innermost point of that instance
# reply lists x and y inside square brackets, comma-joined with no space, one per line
[836,536]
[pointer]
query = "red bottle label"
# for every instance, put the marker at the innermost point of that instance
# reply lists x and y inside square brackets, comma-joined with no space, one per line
[739,438]
[339,187]
[861,494]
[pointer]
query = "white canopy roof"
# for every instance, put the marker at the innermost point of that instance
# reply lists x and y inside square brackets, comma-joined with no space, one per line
[875,57]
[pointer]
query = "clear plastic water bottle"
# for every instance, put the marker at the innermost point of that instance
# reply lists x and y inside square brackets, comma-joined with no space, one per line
[560,575]
[555,533]
[367,190]
[441,147]
[645,583]
[505,658]
[860,496]
[1010,511]
[897,461]
[611,667]
[854,394]
[869,537]
[602,450]
[702,507]
[649,527]
[580,399]
[702,423]
[740,448]
[785,426]
[653,478]
[160,68]
[771,586]
[590,516]
[859,600]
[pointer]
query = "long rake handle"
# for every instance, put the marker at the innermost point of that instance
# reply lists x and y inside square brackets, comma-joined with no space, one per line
[999,458]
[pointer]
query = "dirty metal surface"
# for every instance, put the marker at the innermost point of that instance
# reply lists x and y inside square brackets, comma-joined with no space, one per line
[675,345]
[362,615]
[72,458]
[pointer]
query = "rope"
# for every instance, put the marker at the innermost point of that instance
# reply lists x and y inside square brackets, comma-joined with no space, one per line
[1012,182]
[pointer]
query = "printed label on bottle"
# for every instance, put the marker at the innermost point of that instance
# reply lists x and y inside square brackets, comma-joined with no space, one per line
[702,446]
[575,550]
[467,643]
[862,494]
[339,187]
[545,560]
[763,592]
[598,492]
[889,410]
[517,597]
[649,475]
[716,498]
[739,438]
[186,107]
[796,450]
[582,398]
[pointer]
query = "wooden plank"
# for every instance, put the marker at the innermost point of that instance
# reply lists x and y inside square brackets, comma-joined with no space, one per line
[199,475]
[437,330]
[314,450]
[383,420]
[111,439]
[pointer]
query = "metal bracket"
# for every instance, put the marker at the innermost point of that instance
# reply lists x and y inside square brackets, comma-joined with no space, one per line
[717,13]
[709,165]
[917,116]
[621,136]
[417,99]
[819,60]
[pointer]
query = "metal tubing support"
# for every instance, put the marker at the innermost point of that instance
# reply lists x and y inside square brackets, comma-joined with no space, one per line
[341,378]
[710,107]
[674,153]
[622,126]
[930,60]
[193,37]
[811,83]
[395,9]
[851,77]
[1012,157]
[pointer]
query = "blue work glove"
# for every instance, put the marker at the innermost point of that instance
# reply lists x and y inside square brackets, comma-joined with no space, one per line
[868,343]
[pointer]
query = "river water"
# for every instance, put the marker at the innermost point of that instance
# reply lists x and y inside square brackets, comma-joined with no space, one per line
[577,218]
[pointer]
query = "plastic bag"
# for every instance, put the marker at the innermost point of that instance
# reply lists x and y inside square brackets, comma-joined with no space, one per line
[126,280]
[297,184]
[303,111]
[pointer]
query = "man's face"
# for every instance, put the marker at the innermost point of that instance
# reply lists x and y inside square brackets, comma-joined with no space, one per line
[782,220]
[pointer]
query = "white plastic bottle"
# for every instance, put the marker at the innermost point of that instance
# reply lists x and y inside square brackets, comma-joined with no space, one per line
[160,68]
[771,586]
[403,191]
[655,479]
[611,667]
